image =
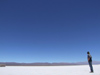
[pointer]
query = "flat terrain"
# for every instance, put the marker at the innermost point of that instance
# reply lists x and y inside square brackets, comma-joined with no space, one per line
[49,70]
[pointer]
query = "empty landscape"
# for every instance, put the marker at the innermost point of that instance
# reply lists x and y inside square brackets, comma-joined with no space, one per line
[49,70]
[49,37]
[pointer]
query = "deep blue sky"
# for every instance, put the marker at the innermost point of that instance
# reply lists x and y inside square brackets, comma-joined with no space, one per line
[49,30]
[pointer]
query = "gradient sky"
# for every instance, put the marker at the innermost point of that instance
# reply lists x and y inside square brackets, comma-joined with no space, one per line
[49,30]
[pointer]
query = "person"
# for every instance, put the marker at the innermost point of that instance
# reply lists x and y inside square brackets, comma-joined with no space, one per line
[89,57]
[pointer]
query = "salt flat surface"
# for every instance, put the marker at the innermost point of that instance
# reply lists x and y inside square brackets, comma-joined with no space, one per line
[49,70]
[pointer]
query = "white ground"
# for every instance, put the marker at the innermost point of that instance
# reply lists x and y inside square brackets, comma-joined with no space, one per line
[49,70]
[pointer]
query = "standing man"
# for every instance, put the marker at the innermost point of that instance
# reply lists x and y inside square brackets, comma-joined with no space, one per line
[89,57]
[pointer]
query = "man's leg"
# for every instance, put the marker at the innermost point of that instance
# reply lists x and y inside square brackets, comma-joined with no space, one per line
[91,68]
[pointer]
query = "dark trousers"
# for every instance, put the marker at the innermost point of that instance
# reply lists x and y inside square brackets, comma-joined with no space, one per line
[91,67]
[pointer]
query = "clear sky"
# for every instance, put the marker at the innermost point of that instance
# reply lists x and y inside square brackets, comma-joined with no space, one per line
[49,30]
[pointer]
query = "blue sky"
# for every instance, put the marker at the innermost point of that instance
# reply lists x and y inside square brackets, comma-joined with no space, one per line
[49,30]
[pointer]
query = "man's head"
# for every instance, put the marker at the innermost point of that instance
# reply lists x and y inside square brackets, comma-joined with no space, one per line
[88,52]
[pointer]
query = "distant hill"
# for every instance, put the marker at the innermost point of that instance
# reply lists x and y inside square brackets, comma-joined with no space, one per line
[46,64]
[85,63]
[35,64]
